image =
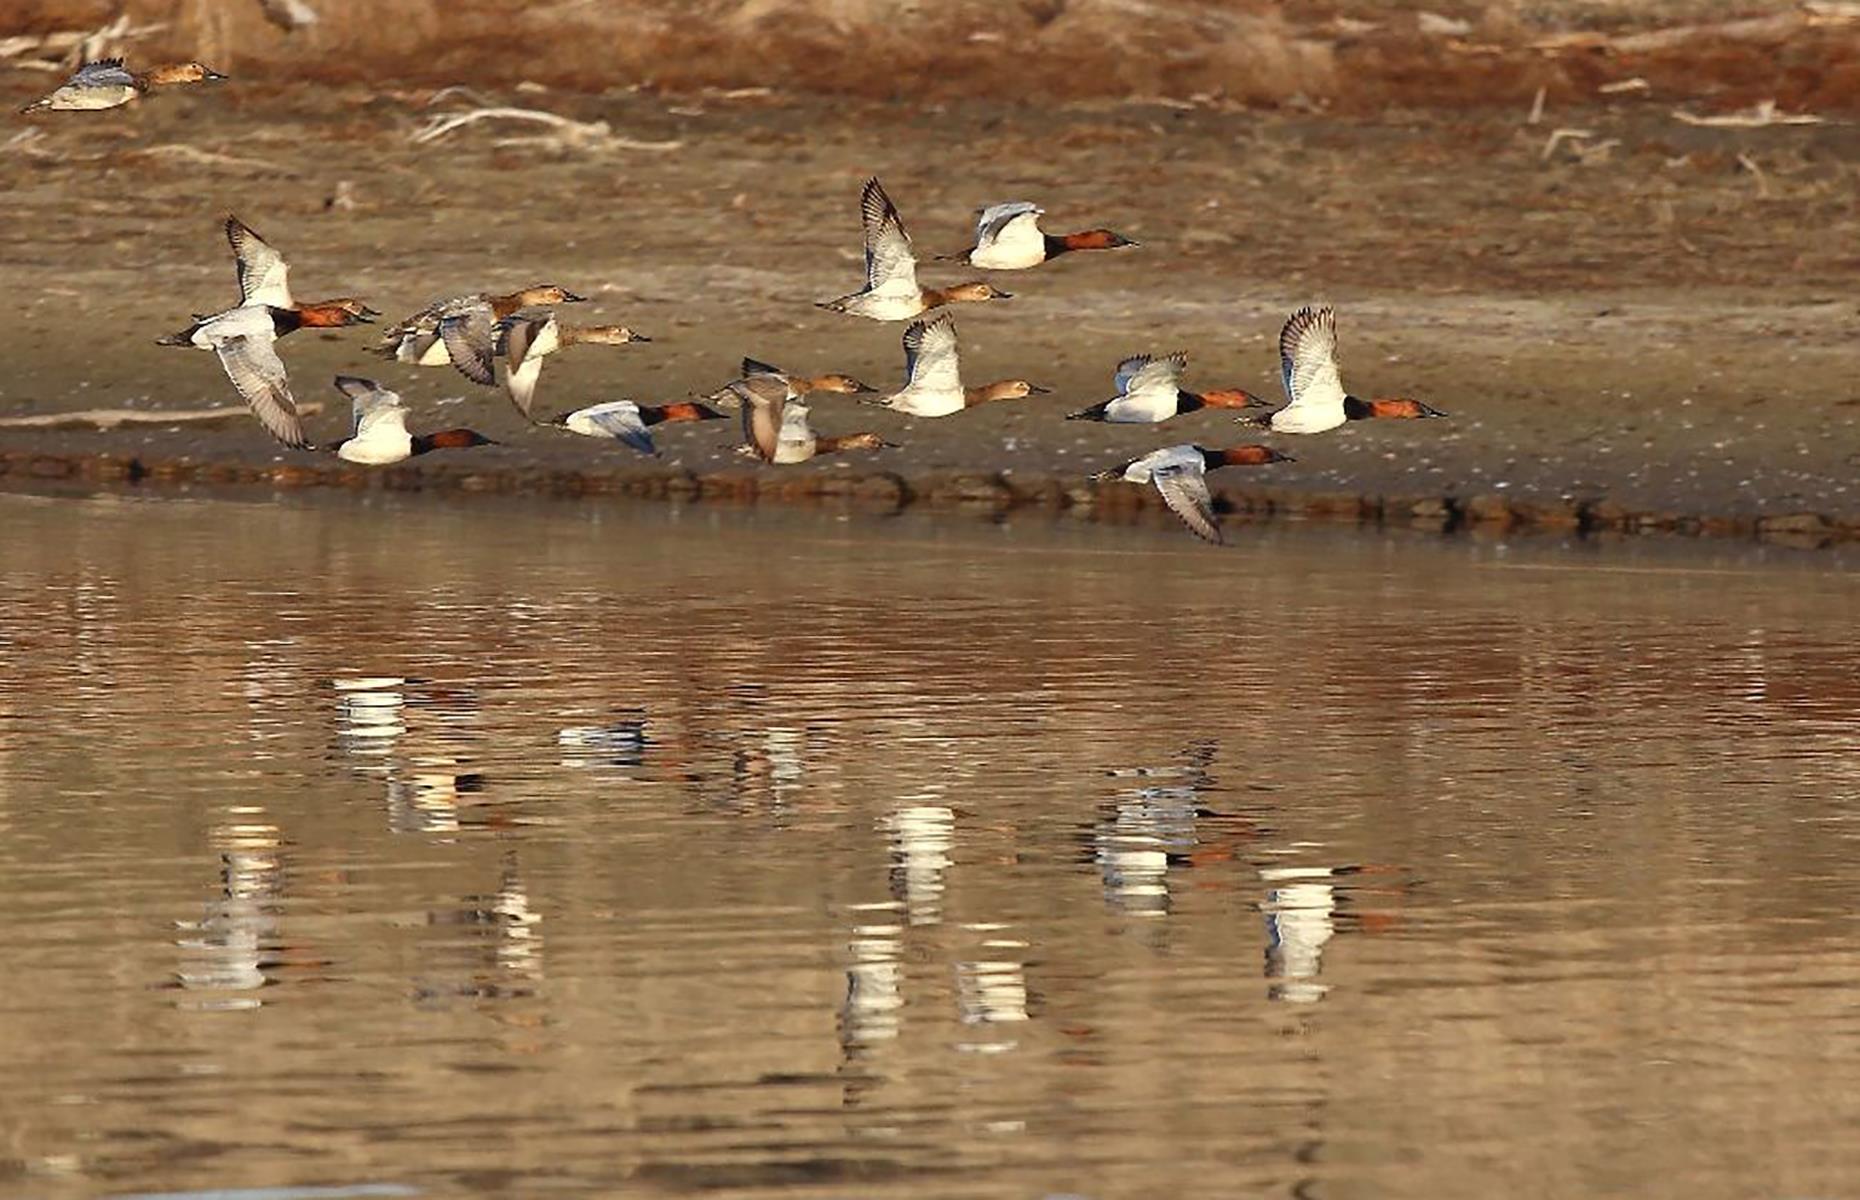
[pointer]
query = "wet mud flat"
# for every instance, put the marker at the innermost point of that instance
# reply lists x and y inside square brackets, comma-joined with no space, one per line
[980,494]
[1652,337]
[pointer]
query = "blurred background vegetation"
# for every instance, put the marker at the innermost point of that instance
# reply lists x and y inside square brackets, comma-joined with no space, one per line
[1350,55]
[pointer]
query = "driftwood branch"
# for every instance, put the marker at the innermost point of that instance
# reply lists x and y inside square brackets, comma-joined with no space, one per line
[110,418]
[566,133]
[1759,116]
[195,156]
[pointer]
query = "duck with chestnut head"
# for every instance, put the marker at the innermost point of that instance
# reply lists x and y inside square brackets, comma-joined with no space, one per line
[1315,399]
[378,436]
[1180,475]
[107,83]
[776,428]
[891,291]
[245,336]
[1008,237]
[265,278]
[630,423]
[1150,390]
[933,375]
[730,394]
[525,340]
[462,330]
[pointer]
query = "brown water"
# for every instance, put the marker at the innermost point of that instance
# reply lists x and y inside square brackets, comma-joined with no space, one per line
[399,848]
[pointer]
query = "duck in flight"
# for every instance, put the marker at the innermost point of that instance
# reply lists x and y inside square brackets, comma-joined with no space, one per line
[630,423]
[776,427]
[379,435]
[933,375]
[891,291]
[795,385]
[528,339]
[1150,390]
[1008,237]
[245,336]
[1315,399]
[265,277]
[1180,474]
[462,330]
[107,83]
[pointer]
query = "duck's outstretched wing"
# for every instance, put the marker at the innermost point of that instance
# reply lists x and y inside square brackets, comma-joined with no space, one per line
[931,358]
[1308,359]
[256,370]
[264,276]
[764,399]
[372,407]
[1011,229]
[796,433]
[103,72]
[621,421]
[522,368]
[1184,488]
[995,220]
[1142,375]
[471,342]
[890,264]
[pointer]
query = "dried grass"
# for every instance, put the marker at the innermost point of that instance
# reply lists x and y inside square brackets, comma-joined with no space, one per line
[1245,51]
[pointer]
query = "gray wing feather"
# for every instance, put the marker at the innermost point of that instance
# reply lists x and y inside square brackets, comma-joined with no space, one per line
[1185,491]
[930,354]
[625,426]
[521,373]
[105,72]
[256,370]
[471,339]
[997,217]
[890,264]
[370,404]
[1142,372]
[1308,357]
[264,276]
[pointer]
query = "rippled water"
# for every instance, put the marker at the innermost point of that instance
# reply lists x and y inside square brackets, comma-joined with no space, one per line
[402,848]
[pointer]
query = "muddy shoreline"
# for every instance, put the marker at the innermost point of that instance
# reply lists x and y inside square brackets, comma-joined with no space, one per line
[982,492]
[1655,338]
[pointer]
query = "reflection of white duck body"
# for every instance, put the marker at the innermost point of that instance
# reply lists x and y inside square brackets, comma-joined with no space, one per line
[1133,847]
[874,979]
[921,838]
[369,715]
[1300,911]
[520,949]
[241,929]
[991,991]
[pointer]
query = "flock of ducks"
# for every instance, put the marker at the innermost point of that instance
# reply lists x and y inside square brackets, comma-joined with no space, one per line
[518,330]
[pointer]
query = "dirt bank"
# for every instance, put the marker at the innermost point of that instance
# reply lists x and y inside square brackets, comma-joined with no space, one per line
[1663,328]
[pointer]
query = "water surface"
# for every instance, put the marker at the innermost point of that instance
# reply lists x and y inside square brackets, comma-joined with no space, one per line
[399,848]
